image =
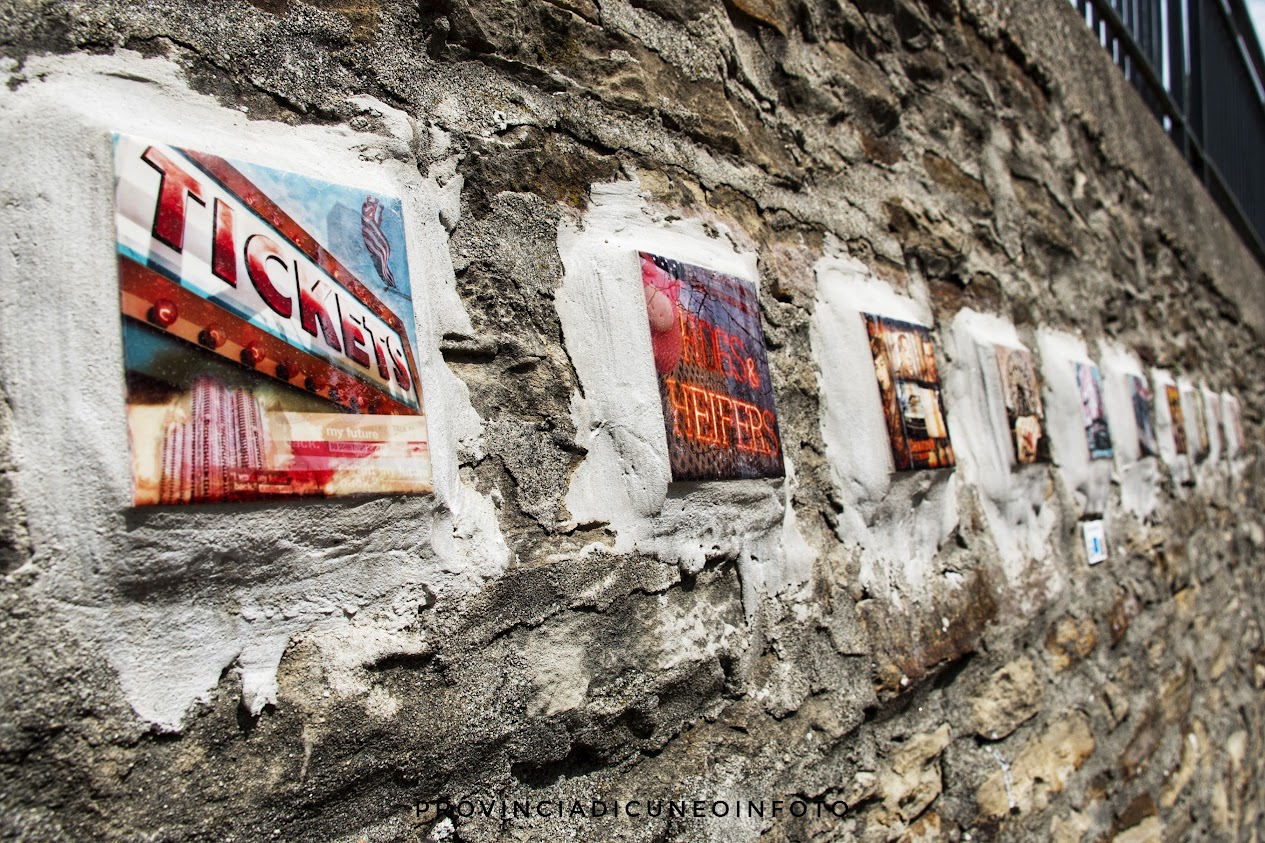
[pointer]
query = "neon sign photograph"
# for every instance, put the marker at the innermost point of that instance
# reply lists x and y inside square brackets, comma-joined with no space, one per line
[713,376]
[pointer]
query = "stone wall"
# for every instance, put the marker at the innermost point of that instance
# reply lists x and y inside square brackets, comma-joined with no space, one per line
[559,624]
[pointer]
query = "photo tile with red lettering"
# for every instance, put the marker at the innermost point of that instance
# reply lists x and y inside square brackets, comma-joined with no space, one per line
[713,376]
[1021,393]
[268,333]
[1093,411]
[909,387]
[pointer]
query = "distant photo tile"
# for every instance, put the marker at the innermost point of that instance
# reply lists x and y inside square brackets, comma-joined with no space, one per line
[1215,417]
[1203,444]
[1140,397]
[1174,398]
[1232,422]
[1093,411]
[1021,393]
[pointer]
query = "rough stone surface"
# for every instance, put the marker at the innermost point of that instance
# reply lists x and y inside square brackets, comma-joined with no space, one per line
[1070,640]
[1008,698]
[1040,770]
[909,784]
[333,671]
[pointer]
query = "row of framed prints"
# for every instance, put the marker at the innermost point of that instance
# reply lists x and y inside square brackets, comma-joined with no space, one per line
[1206,412]
[721,422]
[713,377]
[269,345]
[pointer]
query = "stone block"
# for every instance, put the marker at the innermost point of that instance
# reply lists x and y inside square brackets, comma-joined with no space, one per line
[1070,640]
[773,13]
[1070,829]
[911,781]
[1008,698]
[1040,770]
[1150,830]
[929,828]
[1142,745]
[1194,744]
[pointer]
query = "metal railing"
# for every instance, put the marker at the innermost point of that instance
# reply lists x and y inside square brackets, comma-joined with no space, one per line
[1198,66]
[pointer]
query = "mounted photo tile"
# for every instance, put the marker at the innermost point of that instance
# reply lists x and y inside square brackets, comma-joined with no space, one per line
[1212,401]
[1174,398]
[268,333]
[1140,395]
[1093,411]
[1135,425]
[1021,392]
[1232,423]
[713,376]
[909,386]
[1203,445]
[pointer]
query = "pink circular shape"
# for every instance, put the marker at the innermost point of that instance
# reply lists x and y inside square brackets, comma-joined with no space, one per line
[662,293]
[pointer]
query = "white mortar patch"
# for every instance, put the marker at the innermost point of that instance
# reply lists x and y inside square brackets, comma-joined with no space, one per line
[624,480]
[898,521]
[1139,476]
[173,596]
[1012,496]
[1178,464]
[1089,481]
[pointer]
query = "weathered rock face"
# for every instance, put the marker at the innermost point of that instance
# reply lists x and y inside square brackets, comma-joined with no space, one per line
[1011,696]
[647,668]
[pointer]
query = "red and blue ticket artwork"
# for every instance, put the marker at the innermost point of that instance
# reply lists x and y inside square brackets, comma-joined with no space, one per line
[268,333]
[713,375]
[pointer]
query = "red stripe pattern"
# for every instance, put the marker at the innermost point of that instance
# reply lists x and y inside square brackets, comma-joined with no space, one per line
[375,240]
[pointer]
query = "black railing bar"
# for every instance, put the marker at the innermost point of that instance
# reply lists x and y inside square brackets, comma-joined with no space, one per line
[1244,51]
[1241,43]
[1241,22]
[1244,227]
[1140,63]
[1174,49]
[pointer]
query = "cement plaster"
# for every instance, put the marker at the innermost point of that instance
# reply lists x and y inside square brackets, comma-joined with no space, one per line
[173,597]
[897,521]
[1020,517]
[624,480]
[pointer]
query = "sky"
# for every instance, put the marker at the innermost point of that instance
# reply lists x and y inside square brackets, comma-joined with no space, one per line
[1256,8]
[331,213]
